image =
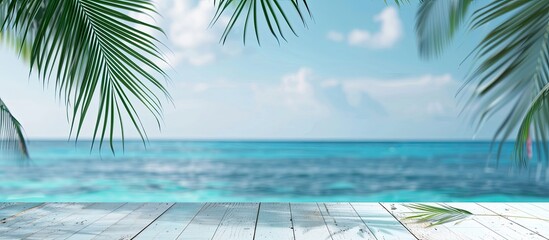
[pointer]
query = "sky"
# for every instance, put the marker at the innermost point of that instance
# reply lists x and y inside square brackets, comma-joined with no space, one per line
[354,73]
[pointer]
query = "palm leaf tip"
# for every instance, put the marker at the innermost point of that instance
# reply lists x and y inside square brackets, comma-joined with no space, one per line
[437,215]
[399,2]
[272,14]
[12,141]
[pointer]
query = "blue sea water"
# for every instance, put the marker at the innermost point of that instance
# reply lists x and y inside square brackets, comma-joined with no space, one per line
[187,171]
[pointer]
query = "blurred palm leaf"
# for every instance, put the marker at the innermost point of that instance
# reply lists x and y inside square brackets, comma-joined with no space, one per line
[511,63]
[512,68]
[272,13]
[437,22]
[437,215]
[11,133]
[399,2]
[16,43]
[10,36]
[96,54]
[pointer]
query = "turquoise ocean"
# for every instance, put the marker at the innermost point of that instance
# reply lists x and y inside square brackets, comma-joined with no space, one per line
[300,171]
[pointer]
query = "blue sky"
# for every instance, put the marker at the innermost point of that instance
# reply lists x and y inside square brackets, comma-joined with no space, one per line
[353,74]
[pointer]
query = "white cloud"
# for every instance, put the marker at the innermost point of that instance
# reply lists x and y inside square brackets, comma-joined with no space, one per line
[388,35]
[295,91]
[416,97]
[397,87]
[335,36]
[189,33]
[298,82]
[189,23]
[191,39]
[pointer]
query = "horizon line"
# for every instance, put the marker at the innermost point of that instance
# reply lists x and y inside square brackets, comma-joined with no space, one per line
[270,140]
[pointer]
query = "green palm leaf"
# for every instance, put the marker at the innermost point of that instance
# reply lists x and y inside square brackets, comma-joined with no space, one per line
[399,2]
[437,22]
[96,55]
[513,69]
[11,133]
[272,13]
[510,66]
[11,37]
[437,215]
[14,41]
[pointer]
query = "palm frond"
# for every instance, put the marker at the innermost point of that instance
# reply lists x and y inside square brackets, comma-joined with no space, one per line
[97,55]
[273,13]
[15,42]
[11,37]
[437,22]
[399,2]
[513,68]
[12,140]
[437,215]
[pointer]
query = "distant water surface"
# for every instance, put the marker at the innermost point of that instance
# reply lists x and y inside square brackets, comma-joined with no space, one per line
[271,171]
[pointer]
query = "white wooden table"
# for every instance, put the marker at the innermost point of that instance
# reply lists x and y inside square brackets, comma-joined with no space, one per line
[264,221]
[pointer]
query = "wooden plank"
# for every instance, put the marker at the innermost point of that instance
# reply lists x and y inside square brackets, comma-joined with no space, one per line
[343,222]
[500,225]
[421,230]
[382,224]
[238,223]
[532,209]
[40,231]
[99,225]
[10,210]
[544,206]
[274,222]
[76,221]
[308,222]
[265,221]
[172,222]
[205,223]
[28,217]
[39,221]
[524,214]
[129,226]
